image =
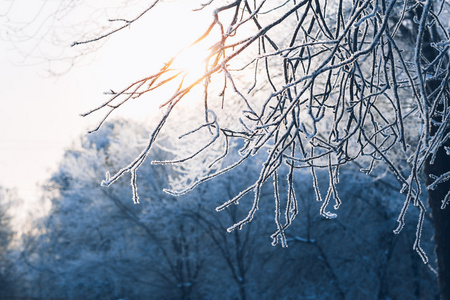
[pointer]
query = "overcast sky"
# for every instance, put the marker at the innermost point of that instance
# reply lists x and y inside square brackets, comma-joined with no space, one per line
[39,115]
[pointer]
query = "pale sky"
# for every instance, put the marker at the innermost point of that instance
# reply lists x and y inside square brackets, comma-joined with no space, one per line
[40,118]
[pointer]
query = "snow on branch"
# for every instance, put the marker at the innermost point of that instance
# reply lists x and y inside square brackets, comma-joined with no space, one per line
[328,84]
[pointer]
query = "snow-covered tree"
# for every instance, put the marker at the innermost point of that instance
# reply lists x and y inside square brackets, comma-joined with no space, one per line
[96,244]
[7,270]
[321,85]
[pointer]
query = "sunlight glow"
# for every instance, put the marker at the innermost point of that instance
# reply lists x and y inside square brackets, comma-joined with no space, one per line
[192,60]
[165,43]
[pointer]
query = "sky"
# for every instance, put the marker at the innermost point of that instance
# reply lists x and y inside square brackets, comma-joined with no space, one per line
[44,90]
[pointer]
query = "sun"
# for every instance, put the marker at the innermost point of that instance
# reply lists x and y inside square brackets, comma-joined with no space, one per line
[193,61]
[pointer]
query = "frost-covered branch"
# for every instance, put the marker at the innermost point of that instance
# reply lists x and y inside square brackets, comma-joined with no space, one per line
[327,83]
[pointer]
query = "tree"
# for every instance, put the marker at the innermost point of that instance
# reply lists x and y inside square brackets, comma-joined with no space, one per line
[7,274]
[320,86]
[95,244]
[332,84]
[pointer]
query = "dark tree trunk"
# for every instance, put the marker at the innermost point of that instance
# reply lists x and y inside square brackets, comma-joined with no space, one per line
[441,221]
[441,165]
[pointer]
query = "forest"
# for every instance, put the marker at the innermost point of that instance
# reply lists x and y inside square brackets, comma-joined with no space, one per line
[295,150]
[96,244]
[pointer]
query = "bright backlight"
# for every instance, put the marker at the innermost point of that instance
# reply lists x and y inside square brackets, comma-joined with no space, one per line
[192,61]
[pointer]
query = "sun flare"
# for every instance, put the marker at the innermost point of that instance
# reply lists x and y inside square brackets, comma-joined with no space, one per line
[193,61]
